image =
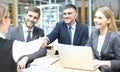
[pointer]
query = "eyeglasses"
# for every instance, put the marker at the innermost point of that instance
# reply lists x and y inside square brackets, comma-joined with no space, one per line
[69,13]
[9,16]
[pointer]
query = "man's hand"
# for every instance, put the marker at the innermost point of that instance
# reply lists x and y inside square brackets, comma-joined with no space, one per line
[22,63]
[44,41]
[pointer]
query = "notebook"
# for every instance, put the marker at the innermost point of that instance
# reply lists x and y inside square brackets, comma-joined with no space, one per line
[77,57]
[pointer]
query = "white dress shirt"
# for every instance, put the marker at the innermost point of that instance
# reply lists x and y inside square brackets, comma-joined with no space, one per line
[73,27]
[25,32]
[100,44]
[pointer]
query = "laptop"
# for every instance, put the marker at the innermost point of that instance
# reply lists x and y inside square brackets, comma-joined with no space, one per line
[76,57]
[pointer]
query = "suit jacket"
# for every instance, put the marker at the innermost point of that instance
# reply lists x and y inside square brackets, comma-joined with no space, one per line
[110,50]
[17,34]
[7,63]
[61,32]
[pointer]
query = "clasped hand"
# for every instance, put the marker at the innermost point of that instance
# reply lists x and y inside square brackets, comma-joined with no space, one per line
[44,41]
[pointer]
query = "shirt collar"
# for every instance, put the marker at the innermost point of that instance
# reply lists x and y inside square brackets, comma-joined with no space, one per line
[25,28]
[73,26]
[2,36]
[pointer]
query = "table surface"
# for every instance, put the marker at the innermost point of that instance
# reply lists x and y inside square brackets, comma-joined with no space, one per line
[55,67]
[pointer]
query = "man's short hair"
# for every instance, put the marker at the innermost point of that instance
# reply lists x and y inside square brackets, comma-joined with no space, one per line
[70,6]
[34,9]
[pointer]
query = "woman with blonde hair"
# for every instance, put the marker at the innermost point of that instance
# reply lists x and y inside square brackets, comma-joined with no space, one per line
[11,51]
[105,41]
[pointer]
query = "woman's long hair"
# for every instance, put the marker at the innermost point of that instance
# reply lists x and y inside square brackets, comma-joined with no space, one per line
[109,15]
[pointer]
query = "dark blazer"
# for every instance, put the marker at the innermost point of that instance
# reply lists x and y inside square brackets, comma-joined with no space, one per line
[7,63]
[110,50]
[61,32]
[17,34]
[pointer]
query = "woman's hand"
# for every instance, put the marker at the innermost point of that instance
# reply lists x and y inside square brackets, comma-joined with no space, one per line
[97,62]
[102,63]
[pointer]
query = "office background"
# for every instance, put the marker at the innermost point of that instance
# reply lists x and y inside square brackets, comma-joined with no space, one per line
[51,11]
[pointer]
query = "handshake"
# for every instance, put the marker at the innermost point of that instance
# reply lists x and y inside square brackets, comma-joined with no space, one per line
[44,41]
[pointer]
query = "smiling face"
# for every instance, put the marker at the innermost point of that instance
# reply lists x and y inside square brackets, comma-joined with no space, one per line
[31,19]
[69,16]
[100,21]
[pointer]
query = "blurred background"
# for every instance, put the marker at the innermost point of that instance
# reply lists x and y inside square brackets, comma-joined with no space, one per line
[51,11]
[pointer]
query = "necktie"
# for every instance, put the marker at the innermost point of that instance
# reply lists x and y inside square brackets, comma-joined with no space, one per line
[70,34]
[29,36]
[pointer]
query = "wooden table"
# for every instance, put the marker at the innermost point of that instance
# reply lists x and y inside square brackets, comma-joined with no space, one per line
[55,67]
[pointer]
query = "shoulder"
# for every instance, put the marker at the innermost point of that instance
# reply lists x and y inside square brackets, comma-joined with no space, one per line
[6,41]
[38,28]
[113,37]
[38,31]
[94,33]
[113,34]
[18,27]
[81,25]
[61,24]
[15,29]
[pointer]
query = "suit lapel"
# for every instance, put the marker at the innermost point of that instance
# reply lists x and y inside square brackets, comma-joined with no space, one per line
[67,37]
[106,41]
[95,42]
[21,33]
[77,30]
[35,33]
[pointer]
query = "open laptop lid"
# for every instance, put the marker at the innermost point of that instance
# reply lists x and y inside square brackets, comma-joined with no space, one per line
[77,57]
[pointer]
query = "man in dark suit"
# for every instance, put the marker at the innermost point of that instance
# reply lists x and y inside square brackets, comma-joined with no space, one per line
[21,32]
[79,32]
